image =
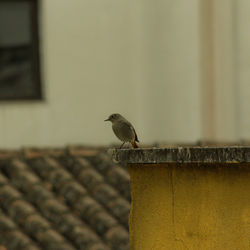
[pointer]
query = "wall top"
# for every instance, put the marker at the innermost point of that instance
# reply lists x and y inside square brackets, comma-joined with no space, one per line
[231,154]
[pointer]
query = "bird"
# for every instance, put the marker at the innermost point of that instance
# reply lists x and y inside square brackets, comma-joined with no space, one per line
[123,129]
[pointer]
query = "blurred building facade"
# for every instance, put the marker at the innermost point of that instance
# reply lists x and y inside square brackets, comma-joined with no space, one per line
[179,70]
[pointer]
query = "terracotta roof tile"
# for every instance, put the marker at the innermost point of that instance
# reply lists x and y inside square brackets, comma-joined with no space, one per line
[104,193]
[3,180]
[114,174]
[11,236]
[73,198]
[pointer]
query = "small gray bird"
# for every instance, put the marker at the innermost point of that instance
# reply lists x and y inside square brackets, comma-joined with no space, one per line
[123,129]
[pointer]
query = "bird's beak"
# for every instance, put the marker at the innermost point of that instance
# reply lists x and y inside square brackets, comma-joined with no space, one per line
[107,120]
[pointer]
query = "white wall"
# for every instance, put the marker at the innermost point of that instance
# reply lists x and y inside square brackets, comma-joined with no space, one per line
[218,71]
[242,10]
[172,71]
[136,57]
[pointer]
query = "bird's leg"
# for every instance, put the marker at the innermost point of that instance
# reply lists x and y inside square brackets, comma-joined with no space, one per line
[122,145]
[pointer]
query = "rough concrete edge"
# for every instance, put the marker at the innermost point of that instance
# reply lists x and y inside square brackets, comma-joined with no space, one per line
[231,154]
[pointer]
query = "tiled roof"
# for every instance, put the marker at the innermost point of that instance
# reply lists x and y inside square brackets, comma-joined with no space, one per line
[74,198]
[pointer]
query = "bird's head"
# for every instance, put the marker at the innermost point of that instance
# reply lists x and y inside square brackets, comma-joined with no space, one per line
[114,117]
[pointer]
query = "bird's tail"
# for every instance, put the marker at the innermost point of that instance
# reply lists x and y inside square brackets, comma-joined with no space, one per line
[134,144]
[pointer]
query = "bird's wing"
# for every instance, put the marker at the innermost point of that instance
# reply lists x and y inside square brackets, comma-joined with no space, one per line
[131,126]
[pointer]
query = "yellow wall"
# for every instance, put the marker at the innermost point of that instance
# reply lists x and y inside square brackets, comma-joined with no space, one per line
[190,207]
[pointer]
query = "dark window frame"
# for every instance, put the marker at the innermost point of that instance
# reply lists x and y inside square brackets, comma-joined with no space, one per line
[36,74]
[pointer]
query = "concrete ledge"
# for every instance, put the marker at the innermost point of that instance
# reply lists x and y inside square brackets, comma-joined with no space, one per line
[232,154]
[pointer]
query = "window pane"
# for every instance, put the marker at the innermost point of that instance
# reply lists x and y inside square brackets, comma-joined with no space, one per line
[18,54]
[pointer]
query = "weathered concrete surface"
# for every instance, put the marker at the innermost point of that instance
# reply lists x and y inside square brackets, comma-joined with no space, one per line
[190,206]
[184,155]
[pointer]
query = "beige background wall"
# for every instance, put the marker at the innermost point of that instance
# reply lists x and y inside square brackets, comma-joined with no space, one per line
[140,58]
[242,9]
[98,57]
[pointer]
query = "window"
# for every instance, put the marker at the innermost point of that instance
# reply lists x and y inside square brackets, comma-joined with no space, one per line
[19,55]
